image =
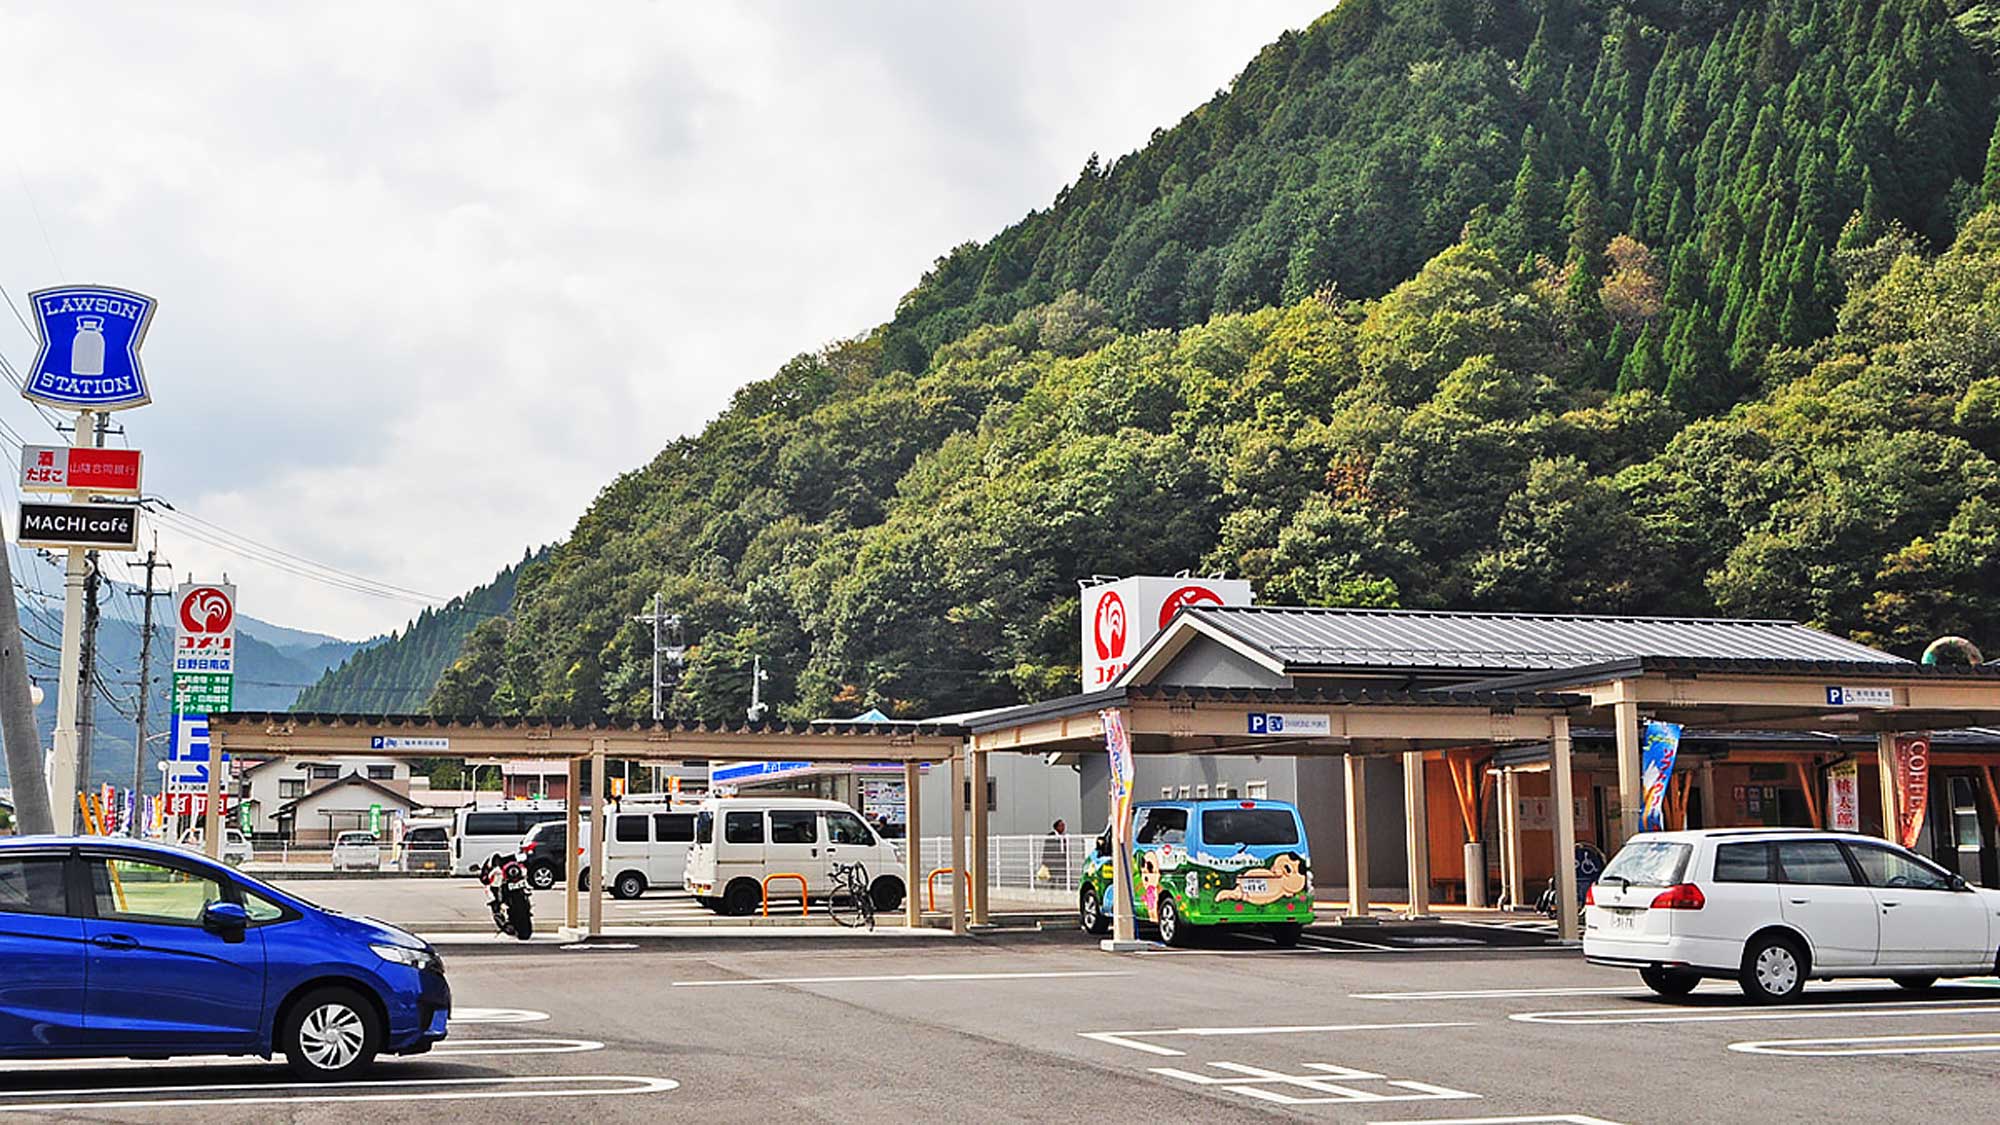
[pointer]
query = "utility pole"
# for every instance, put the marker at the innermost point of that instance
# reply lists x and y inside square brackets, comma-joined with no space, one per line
[757,678]
[145,680]
[669,650]
[25,771]
[86,722]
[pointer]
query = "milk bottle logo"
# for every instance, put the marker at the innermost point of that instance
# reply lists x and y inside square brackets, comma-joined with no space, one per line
[86,352]
[89,355]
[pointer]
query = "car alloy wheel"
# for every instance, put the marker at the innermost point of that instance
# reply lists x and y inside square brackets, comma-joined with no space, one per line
[332,1036]
[542,878]
[1089,913]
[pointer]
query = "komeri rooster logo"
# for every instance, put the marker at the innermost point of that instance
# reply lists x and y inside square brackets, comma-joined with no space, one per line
[1108,626]
[206,610]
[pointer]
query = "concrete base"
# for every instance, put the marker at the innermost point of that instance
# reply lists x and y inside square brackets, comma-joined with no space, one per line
[1414,916]
[1357,920]
[1113,945]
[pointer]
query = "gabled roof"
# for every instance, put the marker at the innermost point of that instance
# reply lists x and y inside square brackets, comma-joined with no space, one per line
[1295,640]
[350,779]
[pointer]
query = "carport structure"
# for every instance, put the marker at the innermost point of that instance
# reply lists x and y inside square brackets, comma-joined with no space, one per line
[914,745]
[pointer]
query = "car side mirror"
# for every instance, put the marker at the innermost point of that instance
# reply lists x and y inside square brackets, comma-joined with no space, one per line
[226,920]
[1958,883]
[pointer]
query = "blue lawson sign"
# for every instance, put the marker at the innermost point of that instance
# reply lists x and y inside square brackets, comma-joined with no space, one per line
[89,358]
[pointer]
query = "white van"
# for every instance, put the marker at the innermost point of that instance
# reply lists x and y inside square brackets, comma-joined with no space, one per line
[740,840]
[480,833]
[645,847]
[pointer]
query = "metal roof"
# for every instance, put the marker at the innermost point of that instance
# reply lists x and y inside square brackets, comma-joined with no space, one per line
[1331,695]
[823,728]
[1307,639]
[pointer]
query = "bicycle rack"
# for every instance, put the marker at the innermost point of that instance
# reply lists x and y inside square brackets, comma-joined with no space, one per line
[930,884]
[784,875]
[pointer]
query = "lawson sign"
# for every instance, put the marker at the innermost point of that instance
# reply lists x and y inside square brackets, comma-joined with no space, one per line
[89,354]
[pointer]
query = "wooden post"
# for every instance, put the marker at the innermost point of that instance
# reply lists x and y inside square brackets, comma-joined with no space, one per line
[1510,837]
[1711,801]
[913,845]
[1631,783]
[1808,785]
[1562,795]
[1885,774]
[572,839]
[597,829]
[1417,835]
[958,802]
[981,845]
[1354,770]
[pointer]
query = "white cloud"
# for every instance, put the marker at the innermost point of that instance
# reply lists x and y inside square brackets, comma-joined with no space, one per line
[431,275]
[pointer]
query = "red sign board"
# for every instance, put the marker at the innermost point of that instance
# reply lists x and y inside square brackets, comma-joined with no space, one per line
[1913,785]
[63,468]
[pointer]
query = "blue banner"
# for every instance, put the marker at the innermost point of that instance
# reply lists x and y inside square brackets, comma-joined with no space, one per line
[1662,743]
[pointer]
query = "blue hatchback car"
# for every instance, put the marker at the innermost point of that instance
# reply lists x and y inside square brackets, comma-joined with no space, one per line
[115,948]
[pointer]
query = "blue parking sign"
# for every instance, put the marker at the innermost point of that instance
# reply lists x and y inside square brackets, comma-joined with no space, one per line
[89,356]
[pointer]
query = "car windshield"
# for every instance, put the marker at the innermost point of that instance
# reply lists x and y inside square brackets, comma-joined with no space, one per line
[1252,827]
[1648,863]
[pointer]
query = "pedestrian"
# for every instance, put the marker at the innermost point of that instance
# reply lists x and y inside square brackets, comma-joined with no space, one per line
[1055,854]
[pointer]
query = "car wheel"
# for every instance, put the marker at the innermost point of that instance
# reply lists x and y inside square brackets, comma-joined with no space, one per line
[331,1034]
[887,893]
[541,877]
[1286,934]
[631,884]
[742,899]
[1172,930]
[1090,912]
[1670,982]
[1774,969]
[1914,984]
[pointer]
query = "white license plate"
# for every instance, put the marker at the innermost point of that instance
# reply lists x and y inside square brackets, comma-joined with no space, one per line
[1254,886]
[1623,920]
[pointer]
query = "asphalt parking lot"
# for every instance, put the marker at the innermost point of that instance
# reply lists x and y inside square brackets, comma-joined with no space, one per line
[1041,1027]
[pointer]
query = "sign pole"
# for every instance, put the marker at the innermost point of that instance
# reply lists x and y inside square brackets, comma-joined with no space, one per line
[212,830]
[62,766]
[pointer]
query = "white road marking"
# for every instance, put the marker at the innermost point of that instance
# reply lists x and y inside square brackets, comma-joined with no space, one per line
[903,978]
[1132,1039]
[1597,1016]
[394,1090]
[497,1015]
[1559,1119]
[580,946]
[454,1048]
[1329,1084]
[1350,942]
[1481,993]
[1940,1044]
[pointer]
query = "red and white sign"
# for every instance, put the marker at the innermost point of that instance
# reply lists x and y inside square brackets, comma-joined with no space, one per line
[194,804]
[1913,785]
[1120,617]
[63,468]
[205,628]
[1843,796]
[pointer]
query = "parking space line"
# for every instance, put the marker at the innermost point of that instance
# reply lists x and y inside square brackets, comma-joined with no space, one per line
[1484,993]
[1937,1044]
[497,1015]
[398,1090]
[1557,1119]
[453,1048]
[899,978]
[1132,1040]
[1601,1016]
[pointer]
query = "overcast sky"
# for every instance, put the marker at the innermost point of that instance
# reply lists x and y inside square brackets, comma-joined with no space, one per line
[431,275]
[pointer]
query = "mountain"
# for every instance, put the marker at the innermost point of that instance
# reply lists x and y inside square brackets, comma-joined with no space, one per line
[1652,306]
[396,674]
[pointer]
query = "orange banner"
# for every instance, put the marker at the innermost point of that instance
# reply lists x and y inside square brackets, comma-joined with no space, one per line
[1913,785]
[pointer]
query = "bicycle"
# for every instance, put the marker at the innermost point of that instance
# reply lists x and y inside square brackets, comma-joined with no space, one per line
[850,902]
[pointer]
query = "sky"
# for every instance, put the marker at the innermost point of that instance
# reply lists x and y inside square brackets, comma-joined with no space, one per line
[431,275]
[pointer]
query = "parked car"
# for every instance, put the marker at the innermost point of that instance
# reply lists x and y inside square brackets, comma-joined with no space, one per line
[740,840]
[542,850]
[1207,863]
[426,845]
[478,834]
[646,847]
[113,928]
[357,851]
[1773,908]
[236,849]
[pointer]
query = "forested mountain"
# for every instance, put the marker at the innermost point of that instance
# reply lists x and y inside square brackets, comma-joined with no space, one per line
[1646,306]
[395,675]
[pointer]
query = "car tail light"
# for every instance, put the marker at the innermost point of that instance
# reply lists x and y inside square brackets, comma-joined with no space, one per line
[1247,804]
[1590,895]
[1685,896]
[528,848]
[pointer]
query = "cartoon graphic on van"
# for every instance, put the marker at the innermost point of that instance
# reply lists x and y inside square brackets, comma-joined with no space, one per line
[1208,863]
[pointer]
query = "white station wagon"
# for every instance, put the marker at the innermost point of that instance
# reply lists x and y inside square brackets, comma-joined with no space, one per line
[1772,908]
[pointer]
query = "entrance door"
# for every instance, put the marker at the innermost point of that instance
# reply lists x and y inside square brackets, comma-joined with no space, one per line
[1963,845]
[1819,894]
[156,977]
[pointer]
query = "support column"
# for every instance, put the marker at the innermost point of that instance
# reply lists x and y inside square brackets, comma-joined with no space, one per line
[572,839]
[1711,802]
[1885,775]
[958,803]
[1417,835]
[981,845]
[597,827]
[1510,838]
[1562,796]
[1354,770]
[1631,786]
[913,844]
[212,814]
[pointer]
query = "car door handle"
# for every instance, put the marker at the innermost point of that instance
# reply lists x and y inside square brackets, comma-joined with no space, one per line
[1801,901]
[115,941]
[1891,905]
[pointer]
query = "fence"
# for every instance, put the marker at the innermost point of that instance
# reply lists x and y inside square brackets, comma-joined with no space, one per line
[1043,869]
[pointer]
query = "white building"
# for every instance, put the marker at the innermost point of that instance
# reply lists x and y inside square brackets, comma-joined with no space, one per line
[271,785]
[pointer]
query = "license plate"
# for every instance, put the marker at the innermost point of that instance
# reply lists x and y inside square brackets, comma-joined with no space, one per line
[1623,920]
[1254,886]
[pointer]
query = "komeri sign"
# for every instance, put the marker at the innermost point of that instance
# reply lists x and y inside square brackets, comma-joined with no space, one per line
[89,355]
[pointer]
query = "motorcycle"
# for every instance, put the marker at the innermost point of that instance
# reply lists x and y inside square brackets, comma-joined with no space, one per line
[506,880]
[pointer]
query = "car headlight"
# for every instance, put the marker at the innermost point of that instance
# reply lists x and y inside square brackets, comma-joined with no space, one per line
[419,959]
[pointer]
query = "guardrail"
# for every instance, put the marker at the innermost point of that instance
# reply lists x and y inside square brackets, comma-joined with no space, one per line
[1051,864]
[784,875]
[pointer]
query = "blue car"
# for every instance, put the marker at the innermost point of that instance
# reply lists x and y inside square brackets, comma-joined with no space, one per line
[114,948]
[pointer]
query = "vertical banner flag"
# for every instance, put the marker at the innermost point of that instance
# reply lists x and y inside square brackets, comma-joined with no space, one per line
[1913,785]
[1118,744]
[1661,745]
[1843,796]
